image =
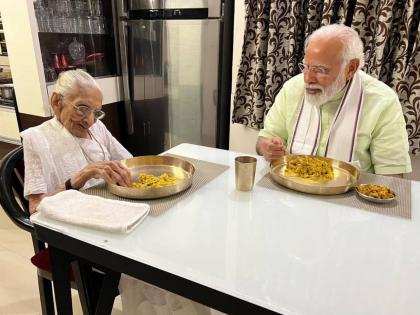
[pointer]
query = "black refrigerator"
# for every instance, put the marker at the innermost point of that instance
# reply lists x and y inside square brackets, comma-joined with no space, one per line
[172,57]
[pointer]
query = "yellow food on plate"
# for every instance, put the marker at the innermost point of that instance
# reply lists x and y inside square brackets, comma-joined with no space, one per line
[376,191]
[309,167]
[147,181]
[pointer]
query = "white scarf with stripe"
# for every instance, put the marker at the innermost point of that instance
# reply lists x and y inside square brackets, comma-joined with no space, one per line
[342,135]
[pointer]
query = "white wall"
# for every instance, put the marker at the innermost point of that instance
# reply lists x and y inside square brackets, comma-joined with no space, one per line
[21,36]
[242,139]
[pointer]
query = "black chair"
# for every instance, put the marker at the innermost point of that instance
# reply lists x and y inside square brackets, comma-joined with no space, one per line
[17,209]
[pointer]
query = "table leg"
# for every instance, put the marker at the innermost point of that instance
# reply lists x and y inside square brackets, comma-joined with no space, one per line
[83,276]
[109,290]
[60,262]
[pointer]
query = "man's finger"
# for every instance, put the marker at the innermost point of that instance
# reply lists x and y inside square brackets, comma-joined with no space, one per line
[277,141]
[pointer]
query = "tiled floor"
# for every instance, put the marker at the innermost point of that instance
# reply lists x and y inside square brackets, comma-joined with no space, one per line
[18,282]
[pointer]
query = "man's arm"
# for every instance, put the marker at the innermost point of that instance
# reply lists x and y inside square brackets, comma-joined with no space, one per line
[389,146]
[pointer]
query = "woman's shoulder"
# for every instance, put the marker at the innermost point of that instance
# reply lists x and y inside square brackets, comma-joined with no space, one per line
[36,130]
[98,126]
[98,129]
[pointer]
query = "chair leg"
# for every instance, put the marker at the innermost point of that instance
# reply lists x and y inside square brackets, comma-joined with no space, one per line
[46,296]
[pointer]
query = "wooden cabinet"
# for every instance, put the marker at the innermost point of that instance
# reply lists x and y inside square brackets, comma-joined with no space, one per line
[151,126]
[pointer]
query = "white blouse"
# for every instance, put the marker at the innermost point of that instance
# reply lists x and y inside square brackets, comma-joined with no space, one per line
[52,155]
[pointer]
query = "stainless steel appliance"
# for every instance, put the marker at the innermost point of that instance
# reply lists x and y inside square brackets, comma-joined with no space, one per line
[170,61]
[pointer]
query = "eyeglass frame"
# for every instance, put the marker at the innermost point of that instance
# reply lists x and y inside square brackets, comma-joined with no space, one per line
[86,111]
[318,69]
[98,114]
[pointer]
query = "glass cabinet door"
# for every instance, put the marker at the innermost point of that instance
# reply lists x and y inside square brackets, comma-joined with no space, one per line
[76,34]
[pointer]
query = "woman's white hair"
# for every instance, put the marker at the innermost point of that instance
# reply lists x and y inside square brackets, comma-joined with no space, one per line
[352,44]
[70,81]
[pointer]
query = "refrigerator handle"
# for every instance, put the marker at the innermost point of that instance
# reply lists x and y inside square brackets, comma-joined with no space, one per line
[122,32]
[125,77]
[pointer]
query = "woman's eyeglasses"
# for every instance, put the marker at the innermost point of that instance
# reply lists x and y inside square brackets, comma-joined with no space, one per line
[86,111]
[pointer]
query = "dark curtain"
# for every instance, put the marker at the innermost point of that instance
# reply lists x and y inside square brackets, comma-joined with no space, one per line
[274,44]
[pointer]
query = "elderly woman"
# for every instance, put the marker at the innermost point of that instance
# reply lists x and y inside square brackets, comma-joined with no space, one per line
[74,150]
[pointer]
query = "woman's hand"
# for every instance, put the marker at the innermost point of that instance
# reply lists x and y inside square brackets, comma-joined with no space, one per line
[112,172]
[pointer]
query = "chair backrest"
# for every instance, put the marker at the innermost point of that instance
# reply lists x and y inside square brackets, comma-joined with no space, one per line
[11,189]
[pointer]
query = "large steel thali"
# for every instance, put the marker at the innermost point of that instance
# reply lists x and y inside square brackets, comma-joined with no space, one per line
[155,165]
[345,177]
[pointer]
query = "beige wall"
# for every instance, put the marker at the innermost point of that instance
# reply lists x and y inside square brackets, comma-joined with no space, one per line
[8,125]
[242,139]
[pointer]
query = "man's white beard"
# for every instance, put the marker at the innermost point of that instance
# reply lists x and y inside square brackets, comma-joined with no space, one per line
[327,93]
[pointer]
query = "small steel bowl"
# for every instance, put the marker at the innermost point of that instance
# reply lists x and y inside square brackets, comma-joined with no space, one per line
[373,199]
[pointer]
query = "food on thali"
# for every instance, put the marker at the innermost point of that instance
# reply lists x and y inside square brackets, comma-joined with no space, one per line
[182,170]
[147,181]
[309,167]
[376,191]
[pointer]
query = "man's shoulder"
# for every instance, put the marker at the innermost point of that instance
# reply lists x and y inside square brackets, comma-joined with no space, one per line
[295,82]
[294,87]
[373,87]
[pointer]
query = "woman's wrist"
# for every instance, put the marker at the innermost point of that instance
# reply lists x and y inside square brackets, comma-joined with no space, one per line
[68,185]
[77,181]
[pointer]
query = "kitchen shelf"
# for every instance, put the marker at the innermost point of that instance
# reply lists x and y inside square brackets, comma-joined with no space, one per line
[58,43]
[71,34]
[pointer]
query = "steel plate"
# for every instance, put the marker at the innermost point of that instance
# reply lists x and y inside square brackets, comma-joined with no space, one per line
[373,199]
[345,177]
[155,165]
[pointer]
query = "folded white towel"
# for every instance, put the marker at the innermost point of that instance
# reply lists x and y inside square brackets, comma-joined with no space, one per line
[74,207]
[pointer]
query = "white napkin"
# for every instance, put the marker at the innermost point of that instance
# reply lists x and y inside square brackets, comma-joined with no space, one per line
[74,207]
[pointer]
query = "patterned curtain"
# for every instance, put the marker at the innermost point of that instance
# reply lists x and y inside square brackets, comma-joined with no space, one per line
[274,44]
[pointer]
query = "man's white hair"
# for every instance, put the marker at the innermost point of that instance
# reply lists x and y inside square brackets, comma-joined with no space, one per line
[70,81]
[352,44]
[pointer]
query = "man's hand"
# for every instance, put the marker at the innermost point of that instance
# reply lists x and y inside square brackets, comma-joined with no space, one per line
[271,149]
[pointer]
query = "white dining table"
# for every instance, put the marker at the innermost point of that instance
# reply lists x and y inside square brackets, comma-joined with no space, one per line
[265,251]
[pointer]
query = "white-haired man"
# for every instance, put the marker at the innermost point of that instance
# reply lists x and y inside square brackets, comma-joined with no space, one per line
[334,109]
